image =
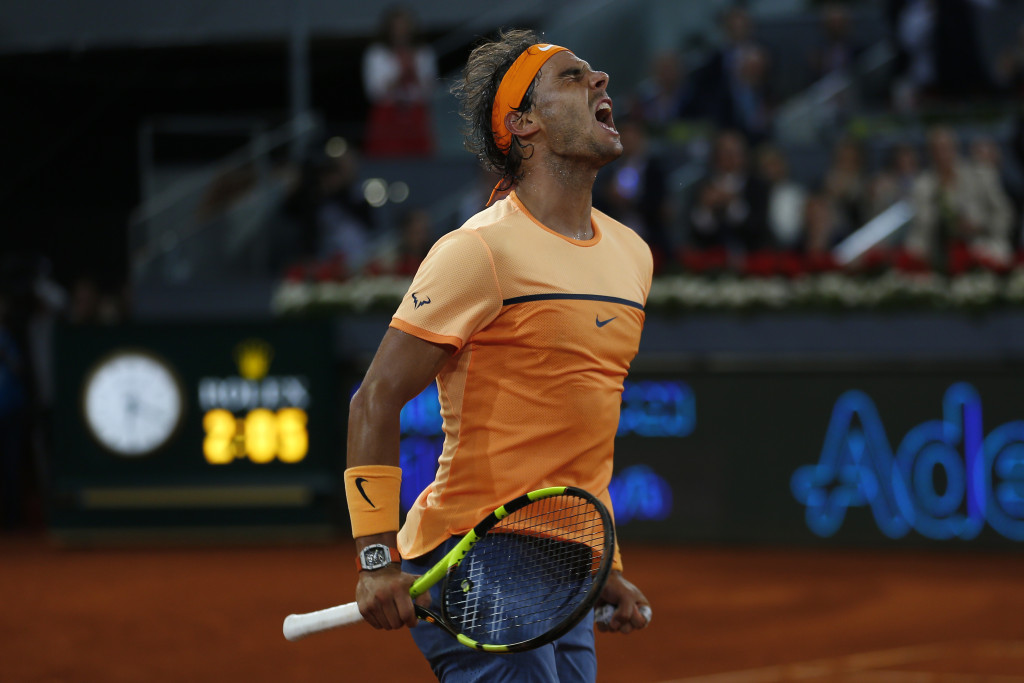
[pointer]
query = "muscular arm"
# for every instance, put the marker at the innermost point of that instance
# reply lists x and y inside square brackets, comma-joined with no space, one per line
[403,366]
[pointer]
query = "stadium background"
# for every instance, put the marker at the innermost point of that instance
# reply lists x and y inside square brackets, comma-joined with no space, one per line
[819,466]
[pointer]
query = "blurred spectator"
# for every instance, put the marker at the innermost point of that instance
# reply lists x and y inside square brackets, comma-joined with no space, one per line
[835,51]
[634,190]
[403,253]
[32,304]
[731,204]
[914,36]
[786,199]
[49,305]
[1009,67]
[1017,155]
[895,181]
[733,84]
[666,95]
[89,305]
[986,153]
[958,205]
[342,216]
[846,184]
[822,231]
[939,53]
[13,404]
[399,74]
[751,109]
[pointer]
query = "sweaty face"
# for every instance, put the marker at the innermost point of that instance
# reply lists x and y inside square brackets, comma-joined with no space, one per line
[572,105]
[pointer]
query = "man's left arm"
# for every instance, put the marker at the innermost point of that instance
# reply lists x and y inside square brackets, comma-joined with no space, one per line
[618,591]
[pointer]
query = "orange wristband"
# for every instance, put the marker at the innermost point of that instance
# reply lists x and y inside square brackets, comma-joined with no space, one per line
[373,493]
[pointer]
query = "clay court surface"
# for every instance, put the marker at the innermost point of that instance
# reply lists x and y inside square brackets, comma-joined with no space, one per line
[722,615]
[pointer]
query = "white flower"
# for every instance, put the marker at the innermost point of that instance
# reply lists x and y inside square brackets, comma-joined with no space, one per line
[975,289]
[1014,289]
[688,292]
[291,297]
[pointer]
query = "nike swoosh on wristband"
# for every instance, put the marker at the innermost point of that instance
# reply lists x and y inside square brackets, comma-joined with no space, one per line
[602,323]
[359,485]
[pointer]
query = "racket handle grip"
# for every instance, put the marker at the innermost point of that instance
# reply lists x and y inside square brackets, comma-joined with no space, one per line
[301,625]
[603,614]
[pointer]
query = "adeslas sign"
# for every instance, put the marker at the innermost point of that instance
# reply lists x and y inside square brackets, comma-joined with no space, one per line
[947,478]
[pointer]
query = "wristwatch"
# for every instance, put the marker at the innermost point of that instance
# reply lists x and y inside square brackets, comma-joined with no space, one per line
[376,556]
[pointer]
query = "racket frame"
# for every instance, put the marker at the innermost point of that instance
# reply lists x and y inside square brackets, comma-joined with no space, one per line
[454,557]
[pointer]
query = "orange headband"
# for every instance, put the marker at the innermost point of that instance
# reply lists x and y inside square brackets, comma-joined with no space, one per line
[513,87]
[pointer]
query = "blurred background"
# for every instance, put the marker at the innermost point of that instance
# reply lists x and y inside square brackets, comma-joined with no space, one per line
[210,210]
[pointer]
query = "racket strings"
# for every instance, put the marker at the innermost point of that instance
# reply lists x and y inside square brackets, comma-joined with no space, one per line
[529,573]
[496,603]
[574,579]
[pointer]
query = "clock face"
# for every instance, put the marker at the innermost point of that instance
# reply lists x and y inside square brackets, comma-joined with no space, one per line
[133,403]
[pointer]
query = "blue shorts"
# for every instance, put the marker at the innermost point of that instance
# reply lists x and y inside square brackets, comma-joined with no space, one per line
[570,659]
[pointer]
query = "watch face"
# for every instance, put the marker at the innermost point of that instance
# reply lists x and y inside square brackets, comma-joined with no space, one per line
[133,403]
[375,557]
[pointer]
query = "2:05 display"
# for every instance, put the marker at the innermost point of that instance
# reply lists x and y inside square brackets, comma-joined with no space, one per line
[261,436]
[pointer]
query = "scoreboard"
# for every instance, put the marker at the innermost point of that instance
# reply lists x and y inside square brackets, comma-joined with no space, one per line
[195,429]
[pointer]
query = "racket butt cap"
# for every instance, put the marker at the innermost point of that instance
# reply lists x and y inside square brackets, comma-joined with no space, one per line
[603,614]
[290,628]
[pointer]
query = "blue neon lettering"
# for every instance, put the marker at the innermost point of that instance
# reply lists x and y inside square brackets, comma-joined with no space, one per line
[657,409]
[1000,469]
[854,470]
[638,492]
[945,481]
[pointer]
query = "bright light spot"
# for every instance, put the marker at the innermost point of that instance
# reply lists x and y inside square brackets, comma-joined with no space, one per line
[336,147]
[375,191]
[398,192]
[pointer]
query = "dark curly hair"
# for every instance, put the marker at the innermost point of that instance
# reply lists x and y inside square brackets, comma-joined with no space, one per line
[485,68]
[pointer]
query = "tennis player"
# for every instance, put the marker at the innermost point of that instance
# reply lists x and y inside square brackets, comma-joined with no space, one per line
[527,317]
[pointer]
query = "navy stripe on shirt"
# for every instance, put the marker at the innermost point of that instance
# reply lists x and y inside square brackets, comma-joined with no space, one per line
[562,297]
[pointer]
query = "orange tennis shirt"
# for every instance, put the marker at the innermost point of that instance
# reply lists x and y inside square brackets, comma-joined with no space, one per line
[545,329]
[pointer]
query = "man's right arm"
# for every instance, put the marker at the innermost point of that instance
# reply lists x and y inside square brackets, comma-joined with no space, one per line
[403,366]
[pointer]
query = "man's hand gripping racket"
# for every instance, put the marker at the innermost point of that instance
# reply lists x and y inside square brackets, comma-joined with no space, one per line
[522,577]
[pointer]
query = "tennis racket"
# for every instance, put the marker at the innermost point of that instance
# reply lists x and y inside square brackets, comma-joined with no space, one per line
[522,577]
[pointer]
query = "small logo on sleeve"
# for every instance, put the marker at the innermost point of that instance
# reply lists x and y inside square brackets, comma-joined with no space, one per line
[602,323]
[417,302]
[359,485]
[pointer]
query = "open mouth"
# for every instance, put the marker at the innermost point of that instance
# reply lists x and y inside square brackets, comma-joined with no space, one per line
[604,115]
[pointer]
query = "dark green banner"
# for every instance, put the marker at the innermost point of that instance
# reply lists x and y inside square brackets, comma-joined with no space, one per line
[840,455]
